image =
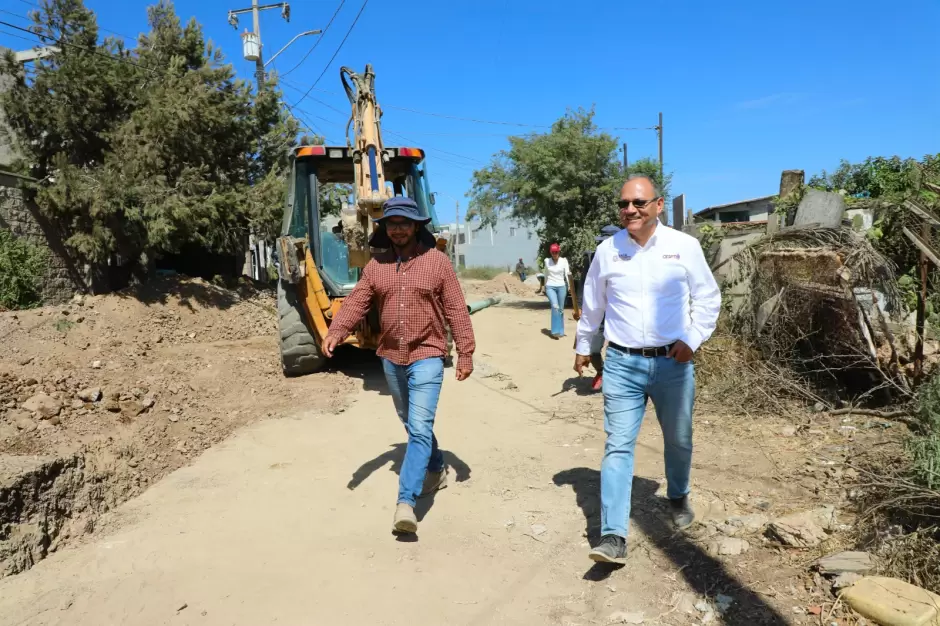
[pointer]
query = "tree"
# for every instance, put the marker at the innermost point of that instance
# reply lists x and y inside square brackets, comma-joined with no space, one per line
[143,151]
[565,182]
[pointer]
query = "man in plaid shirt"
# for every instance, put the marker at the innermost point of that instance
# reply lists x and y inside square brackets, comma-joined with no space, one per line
[417,295]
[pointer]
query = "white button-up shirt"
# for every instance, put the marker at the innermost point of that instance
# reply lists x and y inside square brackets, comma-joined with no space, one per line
[652,295]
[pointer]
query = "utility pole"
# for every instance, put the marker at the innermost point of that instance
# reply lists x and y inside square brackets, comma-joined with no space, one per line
[662,179]
[251,42]
[457,236]
[626,163]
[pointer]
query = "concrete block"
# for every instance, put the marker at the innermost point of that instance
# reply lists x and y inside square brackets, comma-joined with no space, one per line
[820,207]
[893,602]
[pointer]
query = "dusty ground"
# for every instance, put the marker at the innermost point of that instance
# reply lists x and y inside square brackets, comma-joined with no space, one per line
[288,521]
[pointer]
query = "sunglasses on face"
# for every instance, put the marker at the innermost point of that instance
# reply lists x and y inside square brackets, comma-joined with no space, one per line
[639,204]
[397,225]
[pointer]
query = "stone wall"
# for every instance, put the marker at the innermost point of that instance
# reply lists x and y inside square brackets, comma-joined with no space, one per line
[63,278]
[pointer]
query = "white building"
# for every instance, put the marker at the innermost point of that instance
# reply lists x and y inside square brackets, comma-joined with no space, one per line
[494,246]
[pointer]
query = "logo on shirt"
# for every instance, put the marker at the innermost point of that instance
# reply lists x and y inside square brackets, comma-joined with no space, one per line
[622,257]
[671,256]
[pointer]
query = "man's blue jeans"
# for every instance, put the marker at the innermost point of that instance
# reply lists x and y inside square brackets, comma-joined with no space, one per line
[628,381]
[556,297]
[415,390]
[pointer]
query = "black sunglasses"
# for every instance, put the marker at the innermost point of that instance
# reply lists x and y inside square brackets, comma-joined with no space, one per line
[636,203]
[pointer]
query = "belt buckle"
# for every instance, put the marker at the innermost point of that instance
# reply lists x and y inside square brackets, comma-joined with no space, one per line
[648,352]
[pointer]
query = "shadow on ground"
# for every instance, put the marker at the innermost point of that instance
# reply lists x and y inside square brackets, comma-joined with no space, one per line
[705,575]
[580,384]
[363,365]
[528,305]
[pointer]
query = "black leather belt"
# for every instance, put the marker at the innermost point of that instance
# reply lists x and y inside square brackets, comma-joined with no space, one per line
[646,352]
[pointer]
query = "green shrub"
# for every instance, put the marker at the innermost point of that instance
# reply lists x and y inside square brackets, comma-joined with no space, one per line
[482,273]
[21,270]
[925,449]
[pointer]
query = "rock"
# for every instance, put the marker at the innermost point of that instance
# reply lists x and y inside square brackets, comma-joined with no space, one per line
[77,404]
[723,603]
[26,361]
[149,400]
[621,617]
[112,405]
[156,338]
[687,602]
[25,423]
[728,546]
[788,431]
[29,382]
[893,602]
[96,365]
[845,580]
[55,420]
[174,418]
[537,529]
[131,408]
[743,525]
[91,394]
[803,530]
[854,562]
[702,606]
[819,407]
[44,405]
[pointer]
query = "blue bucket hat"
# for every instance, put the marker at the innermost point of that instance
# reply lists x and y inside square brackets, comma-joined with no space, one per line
[402,207]
[607,232]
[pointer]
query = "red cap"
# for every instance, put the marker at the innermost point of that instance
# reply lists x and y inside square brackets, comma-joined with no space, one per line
[554,248]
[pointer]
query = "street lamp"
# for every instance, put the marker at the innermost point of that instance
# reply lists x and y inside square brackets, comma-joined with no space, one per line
[303,34]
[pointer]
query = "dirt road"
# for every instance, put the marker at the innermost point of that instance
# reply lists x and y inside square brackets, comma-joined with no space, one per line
[288,521]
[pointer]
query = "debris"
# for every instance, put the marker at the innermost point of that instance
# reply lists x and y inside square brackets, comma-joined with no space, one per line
[723,603]
[44,405]
[814,610]
[538,529]
[854,562]
[845,580]
[702,606]
[182,608]
[620,617]
[149,400]
[893,602]
[788,431]
[803,530]
[92,394]
[743,525]
[728,546]
[96,365]
[24,423]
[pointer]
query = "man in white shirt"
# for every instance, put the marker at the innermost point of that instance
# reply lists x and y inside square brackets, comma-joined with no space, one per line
[653,289]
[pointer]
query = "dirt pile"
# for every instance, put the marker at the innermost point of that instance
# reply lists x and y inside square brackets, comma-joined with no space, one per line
[133,384]
[506,283]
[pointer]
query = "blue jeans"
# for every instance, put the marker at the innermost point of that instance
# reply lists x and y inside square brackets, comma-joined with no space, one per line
[628,381]
[556,296]
[522,276]
[415,390]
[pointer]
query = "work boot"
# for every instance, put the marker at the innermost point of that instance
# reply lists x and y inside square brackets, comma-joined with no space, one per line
[598,383]
[434,481]
[405,520]
[682,514]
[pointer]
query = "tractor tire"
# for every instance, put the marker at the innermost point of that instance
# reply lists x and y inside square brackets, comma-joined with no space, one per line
[300,353]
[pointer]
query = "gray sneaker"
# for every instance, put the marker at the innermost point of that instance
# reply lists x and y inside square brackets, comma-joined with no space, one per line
[434,481]
[682,514]
[611,549]
[405,520]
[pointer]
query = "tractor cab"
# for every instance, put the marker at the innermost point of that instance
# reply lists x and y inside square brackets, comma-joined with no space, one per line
[314,167]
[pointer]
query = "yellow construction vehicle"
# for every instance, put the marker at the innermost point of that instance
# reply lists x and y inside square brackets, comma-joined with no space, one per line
[320,258]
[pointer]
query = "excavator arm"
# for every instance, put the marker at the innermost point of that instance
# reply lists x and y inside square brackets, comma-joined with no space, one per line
[370,191]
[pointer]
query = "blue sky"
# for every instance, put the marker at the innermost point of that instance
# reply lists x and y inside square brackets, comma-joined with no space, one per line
[747,89]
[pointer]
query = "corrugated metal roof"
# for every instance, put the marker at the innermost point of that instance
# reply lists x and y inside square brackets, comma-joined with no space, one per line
[712,209]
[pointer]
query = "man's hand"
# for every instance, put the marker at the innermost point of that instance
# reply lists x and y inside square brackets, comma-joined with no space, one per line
[329,344]
[463,374]
[577,316]
[580,362]
[680,352]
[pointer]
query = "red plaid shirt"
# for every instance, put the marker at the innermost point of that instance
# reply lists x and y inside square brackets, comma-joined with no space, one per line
[414,298]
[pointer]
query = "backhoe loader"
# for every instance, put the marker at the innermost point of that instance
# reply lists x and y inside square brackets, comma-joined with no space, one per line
[320,257]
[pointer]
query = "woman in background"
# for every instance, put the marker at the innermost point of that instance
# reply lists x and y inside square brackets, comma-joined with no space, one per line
[556,288]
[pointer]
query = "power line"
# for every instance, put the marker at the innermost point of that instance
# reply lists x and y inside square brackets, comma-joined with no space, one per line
[319,39]
[333,58]
[42,39]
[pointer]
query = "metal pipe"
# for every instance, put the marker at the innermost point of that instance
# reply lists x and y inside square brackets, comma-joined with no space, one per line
[473,307]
